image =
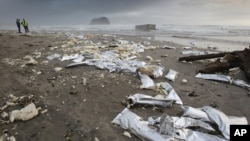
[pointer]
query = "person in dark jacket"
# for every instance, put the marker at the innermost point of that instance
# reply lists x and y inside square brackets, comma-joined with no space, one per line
[18,25]
[25,25]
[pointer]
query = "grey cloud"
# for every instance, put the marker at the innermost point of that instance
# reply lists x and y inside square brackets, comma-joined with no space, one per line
[124,11]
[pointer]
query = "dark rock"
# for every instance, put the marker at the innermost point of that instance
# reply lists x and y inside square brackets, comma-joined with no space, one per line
[100,21]
[146,27]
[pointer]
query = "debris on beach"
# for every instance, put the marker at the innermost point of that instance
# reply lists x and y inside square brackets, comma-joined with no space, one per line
[230,60]
[151,70]
[28,111]
[24,114]
[141,99]
[167,127]
[172,75]
[224,78]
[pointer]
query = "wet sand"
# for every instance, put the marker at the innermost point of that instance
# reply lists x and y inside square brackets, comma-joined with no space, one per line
[84,112]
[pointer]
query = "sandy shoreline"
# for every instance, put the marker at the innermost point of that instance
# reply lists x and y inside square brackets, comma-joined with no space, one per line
[79,111]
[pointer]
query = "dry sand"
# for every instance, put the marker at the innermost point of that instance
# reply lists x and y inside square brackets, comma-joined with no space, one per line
[87,113]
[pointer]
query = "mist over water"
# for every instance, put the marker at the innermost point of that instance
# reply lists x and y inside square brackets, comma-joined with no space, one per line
[225,38]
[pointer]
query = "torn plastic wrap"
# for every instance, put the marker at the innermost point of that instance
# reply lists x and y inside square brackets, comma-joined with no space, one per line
[198,113]
[147,82]
[214,116]
[242,84]
[129,120]
[224,78]
[194,113]
[53,56]
[164,128]
[216,77]
[220,119]
[172,75]
[171,92]
[69,57]
[141,99]
[78,59]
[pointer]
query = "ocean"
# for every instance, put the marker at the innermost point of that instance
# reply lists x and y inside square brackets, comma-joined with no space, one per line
[225,38]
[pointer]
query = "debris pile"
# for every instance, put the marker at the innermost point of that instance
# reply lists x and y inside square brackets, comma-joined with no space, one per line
[200,124]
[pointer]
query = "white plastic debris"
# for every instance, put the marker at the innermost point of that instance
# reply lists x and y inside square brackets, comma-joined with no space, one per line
[53,56]
[224,78]
[78,59]
[165,128]
[128,120]
[57,69]
[24,114]
[147,82]
[69,57]
[31,60]
[127,134]
[184,81]
[172,75]
[217,77]
[242,84]
[141,99]
[193,52]
[171,92]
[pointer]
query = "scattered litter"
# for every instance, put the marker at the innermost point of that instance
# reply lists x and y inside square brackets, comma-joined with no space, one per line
[169,128]
[147,82]
[96,139]
[172,75]
[53,56]
[224,78]
[147,43]
[6,137]
[69,57]
[184,81]
[78,59]
[171,92]
[141,99]
[187,48]
[57,69]
[127,134]
[193,52]
[84,81]
[31,60]
[149,58]
[25,113]
[242,84]
[151,70]
[217,77]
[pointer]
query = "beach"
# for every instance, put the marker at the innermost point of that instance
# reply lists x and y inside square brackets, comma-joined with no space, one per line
[79,102]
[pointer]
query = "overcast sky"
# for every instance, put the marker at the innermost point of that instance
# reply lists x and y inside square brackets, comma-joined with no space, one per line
[181,12]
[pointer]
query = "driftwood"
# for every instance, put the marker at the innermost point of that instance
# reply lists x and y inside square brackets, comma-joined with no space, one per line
[233,59]
[207,56]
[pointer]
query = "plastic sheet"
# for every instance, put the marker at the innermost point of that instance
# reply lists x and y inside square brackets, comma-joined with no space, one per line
[171,93]
[164,128]
[242,84]
[216,77]
[128,120]
[172,75]
[69,57]
[149,100]
[147,82]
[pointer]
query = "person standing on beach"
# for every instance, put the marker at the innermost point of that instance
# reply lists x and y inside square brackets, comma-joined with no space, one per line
[18,25]
[25,25]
